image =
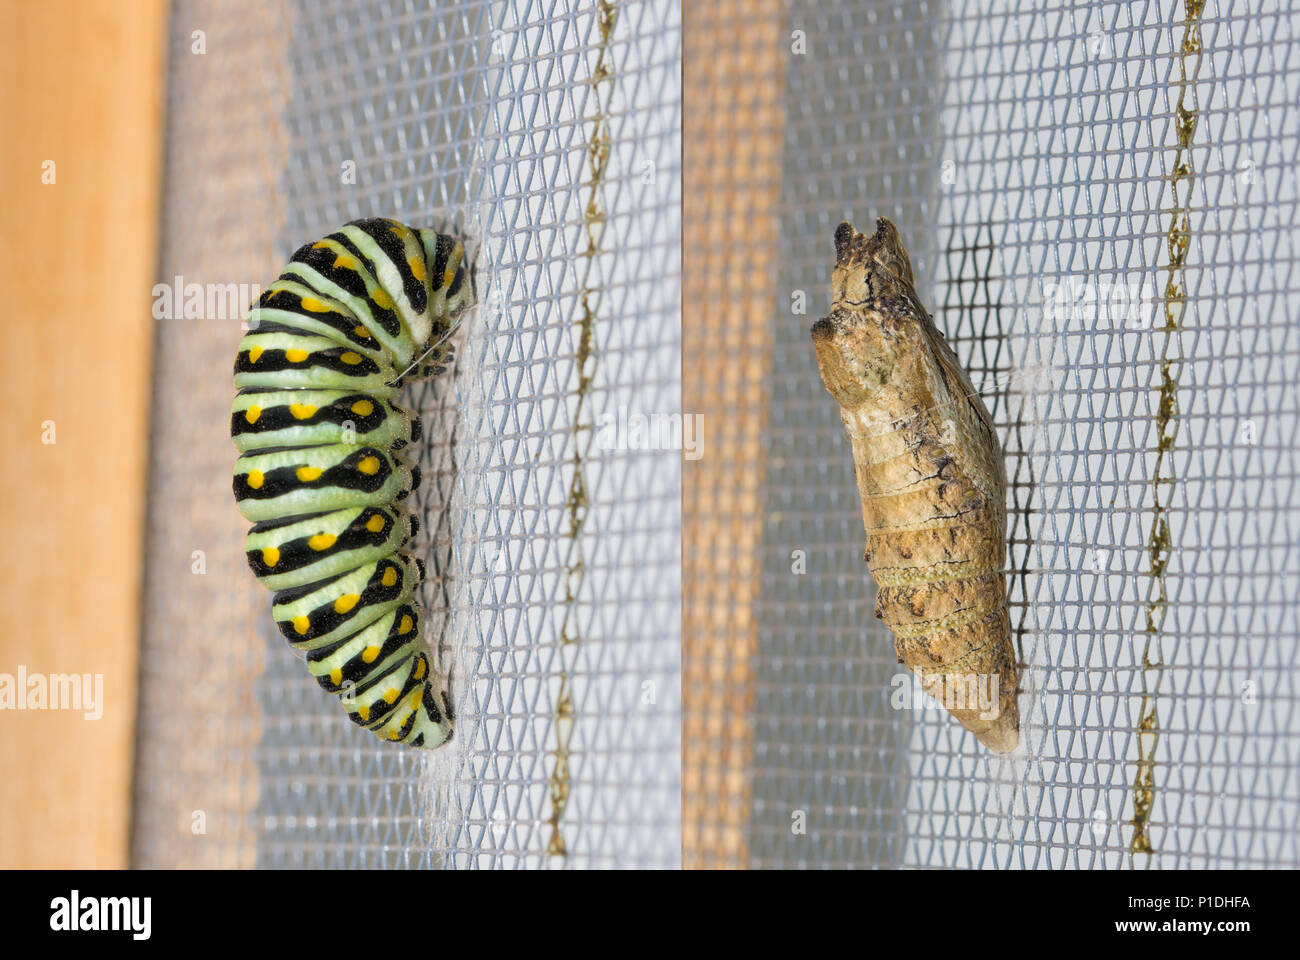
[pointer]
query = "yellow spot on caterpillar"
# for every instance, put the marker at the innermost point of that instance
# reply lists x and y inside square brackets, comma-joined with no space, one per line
[363,408]
[301,411]
[395,734]
[301,624]
[345,261]
[449,276]
[375,524]
[420,667]
[390,577]
[254,354]
[361,332]
[308,474]
[363,712]
[391,694]
[350,358]
[321,245]
[415,699]
[316,306]
[336,676]
[382,299]
[270,294]
[346,602]
[255,479]
[417,268]
[295,355]
[406,624]
[270,556]
[369,654]
[252,413]
[322,541]
[369,465]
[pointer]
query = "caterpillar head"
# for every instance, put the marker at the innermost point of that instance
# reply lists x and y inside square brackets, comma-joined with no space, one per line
[451,274]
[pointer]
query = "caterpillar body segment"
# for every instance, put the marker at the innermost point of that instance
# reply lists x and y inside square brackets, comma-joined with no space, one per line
[296,552]
[287,481]
[278,418]
[319,614]
[352,317]
[932,482]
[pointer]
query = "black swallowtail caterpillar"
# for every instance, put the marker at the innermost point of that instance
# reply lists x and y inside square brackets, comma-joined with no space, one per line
[330,343]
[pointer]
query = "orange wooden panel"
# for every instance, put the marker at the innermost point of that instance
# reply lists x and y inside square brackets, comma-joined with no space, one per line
[81,119]
[734,74]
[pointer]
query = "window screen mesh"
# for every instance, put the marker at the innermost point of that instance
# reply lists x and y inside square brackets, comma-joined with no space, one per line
[549,135]
[1030,155]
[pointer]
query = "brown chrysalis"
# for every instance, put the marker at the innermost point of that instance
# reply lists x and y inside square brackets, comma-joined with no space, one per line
[933,485]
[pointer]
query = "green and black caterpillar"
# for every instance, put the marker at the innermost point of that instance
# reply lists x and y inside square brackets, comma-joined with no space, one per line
[350,319]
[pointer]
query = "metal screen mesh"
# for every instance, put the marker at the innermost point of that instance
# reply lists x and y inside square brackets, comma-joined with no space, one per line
[549,135]
[1030,155]
[1099,200]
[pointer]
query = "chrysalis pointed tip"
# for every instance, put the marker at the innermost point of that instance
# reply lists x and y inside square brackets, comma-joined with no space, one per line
[843,241]
[1003,736]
